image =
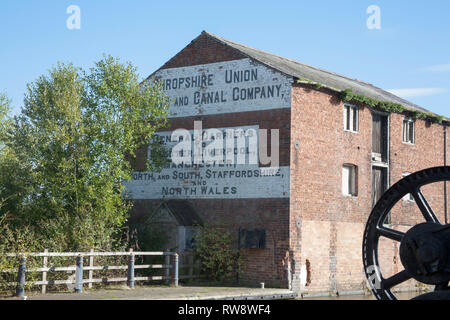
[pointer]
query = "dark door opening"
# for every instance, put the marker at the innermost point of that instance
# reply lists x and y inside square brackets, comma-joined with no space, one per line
[379,183]
[380,137]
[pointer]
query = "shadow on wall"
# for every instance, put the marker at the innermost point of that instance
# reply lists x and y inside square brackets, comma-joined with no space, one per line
[170,226]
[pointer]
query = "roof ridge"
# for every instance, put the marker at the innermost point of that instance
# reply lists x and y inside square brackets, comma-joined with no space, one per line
[224,40]
[294,68]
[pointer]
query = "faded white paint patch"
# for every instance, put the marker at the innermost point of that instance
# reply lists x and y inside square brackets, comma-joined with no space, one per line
[211,182]
[205,180]
[303,275]
[224,87]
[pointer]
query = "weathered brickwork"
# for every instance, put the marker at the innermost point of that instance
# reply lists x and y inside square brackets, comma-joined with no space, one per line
[316,230]
[261,265]
[203,50]
[427,151]
[266,119]
[316,194]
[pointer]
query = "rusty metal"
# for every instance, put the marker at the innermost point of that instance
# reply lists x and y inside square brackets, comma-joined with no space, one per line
[424,249]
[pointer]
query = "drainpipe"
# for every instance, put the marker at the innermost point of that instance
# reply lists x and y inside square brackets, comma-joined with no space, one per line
[445,182]
[238,252]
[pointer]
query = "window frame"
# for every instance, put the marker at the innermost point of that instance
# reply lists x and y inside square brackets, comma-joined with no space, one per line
[349,113]
[406,125]
[352,182]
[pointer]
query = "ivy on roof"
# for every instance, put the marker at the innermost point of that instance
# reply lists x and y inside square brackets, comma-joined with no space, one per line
[348,95]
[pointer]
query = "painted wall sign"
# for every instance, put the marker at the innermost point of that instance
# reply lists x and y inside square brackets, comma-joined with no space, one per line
[211,180]
[224,87]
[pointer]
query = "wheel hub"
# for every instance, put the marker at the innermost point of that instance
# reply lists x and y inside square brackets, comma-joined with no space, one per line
[423,252]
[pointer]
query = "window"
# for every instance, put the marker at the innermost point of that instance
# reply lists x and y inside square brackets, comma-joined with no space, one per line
[408,130]
[255,239]
[349,180]
[350,118]
[409,196]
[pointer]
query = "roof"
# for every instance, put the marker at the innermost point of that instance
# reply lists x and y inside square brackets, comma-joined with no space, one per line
[333,80]
[184,213]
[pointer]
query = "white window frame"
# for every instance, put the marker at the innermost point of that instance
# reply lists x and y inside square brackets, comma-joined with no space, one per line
[351,112]
[407,136]
[408,197]
[349,180]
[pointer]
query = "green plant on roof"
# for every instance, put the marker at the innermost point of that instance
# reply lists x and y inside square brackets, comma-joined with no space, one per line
[348,96]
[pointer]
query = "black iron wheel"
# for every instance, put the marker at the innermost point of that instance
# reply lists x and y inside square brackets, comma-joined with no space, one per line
[376,228]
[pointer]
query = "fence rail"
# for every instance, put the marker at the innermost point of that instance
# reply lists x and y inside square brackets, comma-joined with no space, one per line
[171,266]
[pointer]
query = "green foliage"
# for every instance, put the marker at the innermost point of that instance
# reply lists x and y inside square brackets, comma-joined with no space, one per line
[5,120]
[314,84]
[14,242]
[214,247]
[148,237]
[66,155]
[348,95]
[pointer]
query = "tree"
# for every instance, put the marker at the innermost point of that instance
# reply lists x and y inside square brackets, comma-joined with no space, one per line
[71,148]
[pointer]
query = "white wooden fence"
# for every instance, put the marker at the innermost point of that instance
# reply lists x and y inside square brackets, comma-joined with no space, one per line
[171,266]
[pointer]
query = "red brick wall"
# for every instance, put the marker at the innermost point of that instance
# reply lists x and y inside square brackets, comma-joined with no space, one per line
[203,50]
[265,119]
[262,265]
[317,202]
[327,227]
[427,151]
[318,227]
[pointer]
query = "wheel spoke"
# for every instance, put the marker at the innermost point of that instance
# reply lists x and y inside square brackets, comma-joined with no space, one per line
[391,234]
[395,280]
[424,207]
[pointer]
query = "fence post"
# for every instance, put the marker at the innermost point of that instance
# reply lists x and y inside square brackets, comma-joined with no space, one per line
[288,273]
[20,290]
[167,262]
[91,272]
[79,275]
[191,265]
[130,280]
[44,273]
[175,272]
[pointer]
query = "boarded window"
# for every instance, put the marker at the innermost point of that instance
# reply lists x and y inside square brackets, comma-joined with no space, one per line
[350,118]
[255,239]
[408,130]
[349,180]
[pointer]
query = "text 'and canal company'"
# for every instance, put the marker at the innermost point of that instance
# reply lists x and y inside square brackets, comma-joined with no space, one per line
[239,85]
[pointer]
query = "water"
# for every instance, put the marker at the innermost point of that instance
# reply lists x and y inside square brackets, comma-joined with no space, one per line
[400,296]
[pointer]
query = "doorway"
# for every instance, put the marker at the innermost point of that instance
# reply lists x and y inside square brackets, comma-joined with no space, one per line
[379,137]
[379,183]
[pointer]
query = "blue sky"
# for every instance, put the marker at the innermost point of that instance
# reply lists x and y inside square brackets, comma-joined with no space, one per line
[410,54]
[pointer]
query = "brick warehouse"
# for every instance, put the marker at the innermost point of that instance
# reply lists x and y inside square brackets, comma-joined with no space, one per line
[335,161]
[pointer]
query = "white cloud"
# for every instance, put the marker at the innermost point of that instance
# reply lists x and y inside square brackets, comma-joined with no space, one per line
[438,68]
[416,92]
